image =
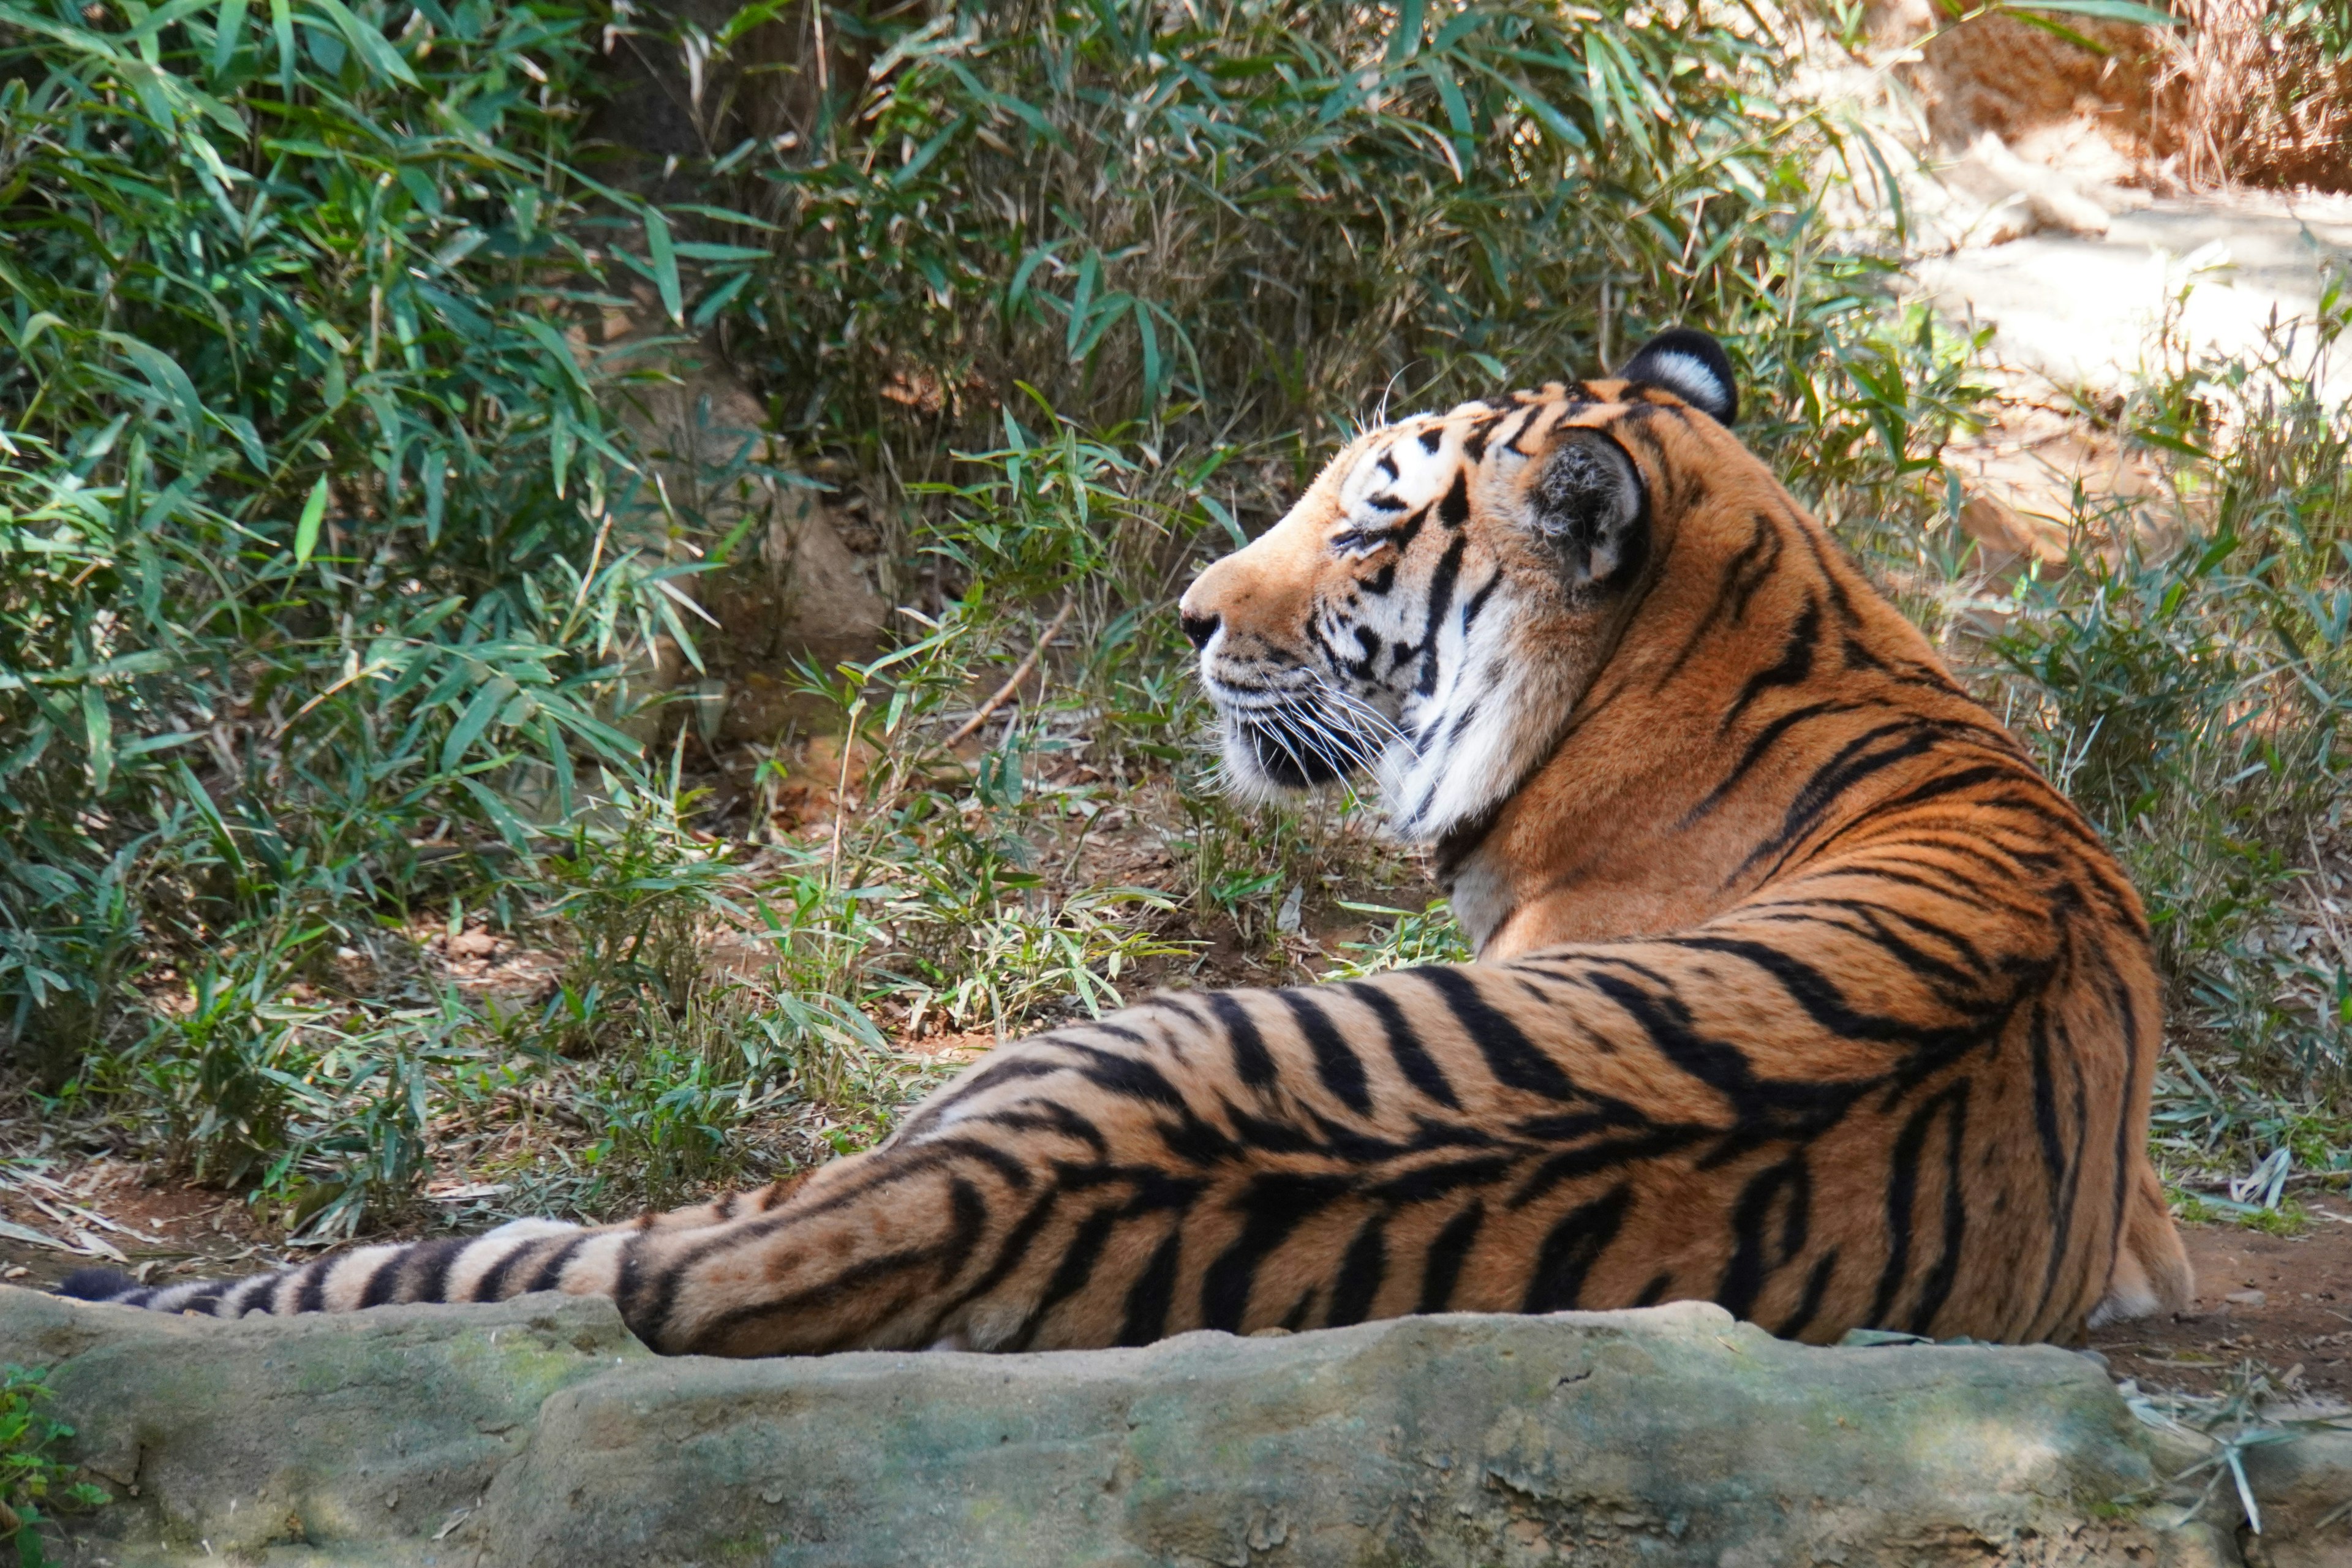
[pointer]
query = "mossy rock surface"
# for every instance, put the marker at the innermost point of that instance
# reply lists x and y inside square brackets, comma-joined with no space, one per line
[538,1432]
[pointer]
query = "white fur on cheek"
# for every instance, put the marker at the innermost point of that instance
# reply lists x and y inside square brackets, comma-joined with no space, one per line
[1459,748]
[1477,734]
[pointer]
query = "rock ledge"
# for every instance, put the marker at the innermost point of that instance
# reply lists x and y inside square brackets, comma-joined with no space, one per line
[538,1432]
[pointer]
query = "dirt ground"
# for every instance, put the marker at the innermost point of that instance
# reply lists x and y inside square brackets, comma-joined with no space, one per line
[2282,1303]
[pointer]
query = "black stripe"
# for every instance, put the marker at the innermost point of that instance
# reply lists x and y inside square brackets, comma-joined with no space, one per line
[1430,1181]
[1848,767]
[1817,1285]
[857,1276]
[1743,573]
[429,1263]
[967,1221]
[1902,1197]
[1766,739]
[486,1287]
[549,1273]
[310,1295]
[1044,1116]
[1509,1055]
[1670,1029]
[1753,566]
[1023,1062]
[629,1279]
[1572,1248]
[1655,1290]
[1010,1254]
[1795,667]
[208,1297]
[1070,1276]
[2069,1195]
[1274,1203]
[1477,601]
[1944,886]
[240,1297]
[1454,509]
[2054,1163]
[1361,1272]
[384,1280]
[1511,442]
[1936,1288]
[1340,1069]
[1826,1006]
[1604,1154]
[2124,1106]
[1419,1068]
[1442,579]
[490,1284]
[1251,1058]
[1751,1262]
[1154,1291]
[1806,812]
[1813,539]
[1441,1268]
[1128,1077]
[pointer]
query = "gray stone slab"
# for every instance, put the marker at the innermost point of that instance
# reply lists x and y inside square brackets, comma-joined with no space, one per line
[536,1432]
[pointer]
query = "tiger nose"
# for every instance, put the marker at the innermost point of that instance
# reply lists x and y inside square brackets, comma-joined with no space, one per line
[1199,628]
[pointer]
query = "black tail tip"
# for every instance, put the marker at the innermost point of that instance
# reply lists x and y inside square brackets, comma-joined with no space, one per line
[96,1284]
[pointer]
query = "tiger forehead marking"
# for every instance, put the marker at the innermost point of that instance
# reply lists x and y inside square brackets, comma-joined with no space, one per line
[1799,990]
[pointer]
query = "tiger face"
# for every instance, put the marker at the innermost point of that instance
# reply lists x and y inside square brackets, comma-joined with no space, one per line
[1436,605]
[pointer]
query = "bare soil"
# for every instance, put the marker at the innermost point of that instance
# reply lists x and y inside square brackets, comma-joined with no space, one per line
[2282,1303]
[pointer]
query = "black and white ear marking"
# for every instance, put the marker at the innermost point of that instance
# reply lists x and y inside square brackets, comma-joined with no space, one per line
[1590,506]
[1693,366]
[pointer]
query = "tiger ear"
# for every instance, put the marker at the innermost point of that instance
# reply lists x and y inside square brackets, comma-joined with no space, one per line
[1693,366]
[1589,505]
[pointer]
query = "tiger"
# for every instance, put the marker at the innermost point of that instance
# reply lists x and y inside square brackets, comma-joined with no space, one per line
[1797,987]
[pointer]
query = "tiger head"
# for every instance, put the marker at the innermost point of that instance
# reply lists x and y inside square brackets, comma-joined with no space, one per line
[1438,603]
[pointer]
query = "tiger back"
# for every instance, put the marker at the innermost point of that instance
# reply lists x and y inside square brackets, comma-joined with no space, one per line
[1799,989]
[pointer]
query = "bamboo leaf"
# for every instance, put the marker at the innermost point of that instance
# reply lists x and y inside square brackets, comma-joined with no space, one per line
[476,719]
[368,44]
[510,826]
[98,736]
[306,530]
[2103,10]
[662,253]
[228,34]
[281,27]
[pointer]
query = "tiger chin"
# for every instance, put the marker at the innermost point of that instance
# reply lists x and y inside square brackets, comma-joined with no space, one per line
[1799,989]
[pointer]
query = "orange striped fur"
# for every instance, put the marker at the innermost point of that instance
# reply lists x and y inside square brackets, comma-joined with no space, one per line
[1798,988]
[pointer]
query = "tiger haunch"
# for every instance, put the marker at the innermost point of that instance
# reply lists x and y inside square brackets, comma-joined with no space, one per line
[1799,989]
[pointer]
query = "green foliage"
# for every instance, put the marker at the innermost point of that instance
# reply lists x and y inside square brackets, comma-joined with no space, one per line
[33,1480]
[2192,697]
[2326,25]
[307,505]
[1260,212]
[629,891]
[1409,938]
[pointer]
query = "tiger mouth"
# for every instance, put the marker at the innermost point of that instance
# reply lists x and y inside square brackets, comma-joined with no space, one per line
[1295,746]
